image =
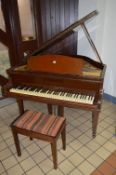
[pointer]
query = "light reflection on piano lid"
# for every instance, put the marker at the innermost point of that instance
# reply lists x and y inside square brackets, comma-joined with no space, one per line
[90,70]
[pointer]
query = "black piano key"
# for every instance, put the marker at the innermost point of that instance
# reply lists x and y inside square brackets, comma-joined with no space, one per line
[55,93]
[76,95]
[50,92]
[62,93]
[38,90]
[67,95]
[19,87]
[42,90]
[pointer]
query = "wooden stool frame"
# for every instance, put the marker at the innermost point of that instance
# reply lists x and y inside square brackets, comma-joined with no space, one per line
[32,134]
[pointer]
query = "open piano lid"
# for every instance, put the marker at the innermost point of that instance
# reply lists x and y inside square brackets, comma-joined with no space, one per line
[62,64]
[67,32]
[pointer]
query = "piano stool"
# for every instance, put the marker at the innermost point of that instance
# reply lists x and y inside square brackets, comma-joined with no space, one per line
[40,126]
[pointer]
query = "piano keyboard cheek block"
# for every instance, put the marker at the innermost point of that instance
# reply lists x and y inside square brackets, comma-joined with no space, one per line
[74,81]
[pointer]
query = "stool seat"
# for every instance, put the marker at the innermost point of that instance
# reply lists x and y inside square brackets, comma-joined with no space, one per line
[40,126]
[40,123]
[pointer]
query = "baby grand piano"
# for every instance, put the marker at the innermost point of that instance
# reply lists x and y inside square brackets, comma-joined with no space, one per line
[73,81]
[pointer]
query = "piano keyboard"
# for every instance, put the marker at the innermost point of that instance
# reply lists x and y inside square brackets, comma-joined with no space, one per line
[58,95]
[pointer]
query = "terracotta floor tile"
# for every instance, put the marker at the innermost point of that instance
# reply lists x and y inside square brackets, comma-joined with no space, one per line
[115,153]
[96,172]
[106,169]
[112,160]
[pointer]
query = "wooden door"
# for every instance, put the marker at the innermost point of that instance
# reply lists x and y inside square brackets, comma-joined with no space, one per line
[55,16]
[49,18]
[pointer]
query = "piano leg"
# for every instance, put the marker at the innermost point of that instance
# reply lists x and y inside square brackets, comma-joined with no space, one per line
[21,106]
[95,117]
[49,106]
[61,111]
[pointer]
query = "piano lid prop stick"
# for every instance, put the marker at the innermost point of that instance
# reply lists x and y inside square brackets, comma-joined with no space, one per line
[90,41]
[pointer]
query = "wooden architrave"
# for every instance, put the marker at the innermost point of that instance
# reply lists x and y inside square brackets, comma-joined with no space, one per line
[13,32]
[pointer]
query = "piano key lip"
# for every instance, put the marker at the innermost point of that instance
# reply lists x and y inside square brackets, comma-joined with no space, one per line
[63,103]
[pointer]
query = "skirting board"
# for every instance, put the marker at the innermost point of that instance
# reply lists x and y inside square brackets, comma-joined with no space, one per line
[109,98]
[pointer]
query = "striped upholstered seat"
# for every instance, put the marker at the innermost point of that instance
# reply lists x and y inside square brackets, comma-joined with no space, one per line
[40,123]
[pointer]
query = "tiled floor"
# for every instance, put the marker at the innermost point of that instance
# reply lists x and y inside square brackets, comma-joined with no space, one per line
[82,156]
[108,166]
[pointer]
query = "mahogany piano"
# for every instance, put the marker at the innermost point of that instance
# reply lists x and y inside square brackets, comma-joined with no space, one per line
[73,81]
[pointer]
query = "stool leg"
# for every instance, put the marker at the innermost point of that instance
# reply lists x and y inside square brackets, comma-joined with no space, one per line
[16,140]
[54,153]
[63,134]
[31,138]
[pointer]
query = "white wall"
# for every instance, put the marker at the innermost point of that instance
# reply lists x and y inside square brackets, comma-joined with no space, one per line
[103,31]
[85,7]
[108,47]
[25,17]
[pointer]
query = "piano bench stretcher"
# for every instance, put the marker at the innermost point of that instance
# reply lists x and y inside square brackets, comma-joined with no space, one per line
[40,126]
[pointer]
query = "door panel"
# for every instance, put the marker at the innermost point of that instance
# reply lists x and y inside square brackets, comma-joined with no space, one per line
[56,15]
